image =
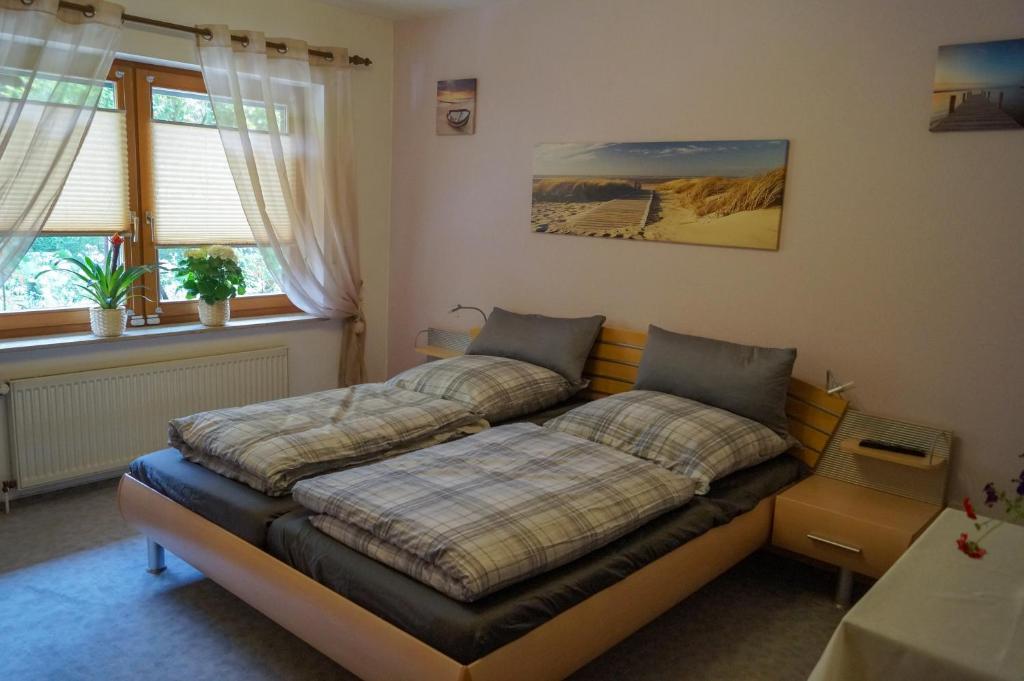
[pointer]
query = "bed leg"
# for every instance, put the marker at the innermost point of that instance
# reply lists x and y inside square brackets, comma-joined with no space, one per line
[155,554]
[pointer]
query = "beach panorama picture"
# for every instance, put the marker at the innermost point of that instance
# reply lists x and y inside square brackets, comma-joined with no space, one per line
[979,86]
[723,193]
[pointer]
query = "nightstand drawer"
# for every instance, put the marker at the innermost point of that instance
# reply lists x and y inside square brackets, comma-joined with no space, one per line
[847,525]
[817,533]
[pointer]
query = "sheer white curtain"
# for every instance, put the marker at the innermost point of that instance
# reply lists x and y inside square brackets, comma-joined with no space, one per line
[53,64]
[285,120]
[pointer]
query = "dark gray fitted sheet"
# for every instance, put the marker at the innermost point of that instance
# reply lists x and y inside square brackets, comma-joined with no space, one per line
[468,631]
[236,507]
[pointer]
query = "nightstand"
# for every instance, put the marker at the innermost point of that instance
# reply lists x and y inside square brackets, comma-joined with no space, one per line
[443,343]
[856,528]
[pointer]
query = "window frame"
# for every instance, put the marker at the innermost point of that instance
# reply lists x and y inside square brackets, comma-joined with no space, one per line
[134,91]
[75,319]
[174,311]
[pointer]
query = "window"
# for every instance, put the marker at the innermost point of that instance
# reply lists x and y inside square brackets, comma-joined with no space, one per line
[92,205]
[33,287]
[151,166]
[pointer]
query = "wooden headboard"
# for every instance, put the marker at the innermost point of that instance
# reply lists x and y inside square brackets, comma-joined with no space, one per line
[813,413]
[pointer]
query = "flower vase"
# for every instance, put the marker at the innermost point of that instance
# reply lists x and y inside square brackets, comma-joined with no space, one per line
[107,323]
[217,314]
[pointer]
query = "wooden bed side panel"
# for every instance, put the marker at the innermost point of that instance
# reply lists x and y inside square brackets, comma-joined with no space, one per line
[559,647]
[355,638]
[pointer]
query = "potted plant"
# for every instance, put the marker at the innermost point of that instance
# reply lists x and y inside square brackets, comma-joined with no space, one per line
[212,275]
[109,285]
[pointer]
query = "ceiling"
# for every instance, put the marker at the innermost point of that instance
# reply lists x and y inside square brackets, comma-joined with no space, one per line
[409,9]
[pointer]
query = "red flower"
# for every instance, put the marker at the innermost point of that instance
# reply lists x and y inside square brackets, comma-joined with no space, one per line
[969,548]
[969,509]
[115,247]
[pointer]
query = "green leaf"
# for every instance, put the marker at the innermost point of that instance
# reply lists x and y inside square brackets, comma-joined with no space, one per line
[89,293]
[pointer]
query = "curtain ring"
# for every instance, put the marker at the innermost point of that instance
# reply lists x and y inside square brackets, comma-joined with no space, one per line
[207,34]
[283,49]
[27,2]
[329,57]
[245,41]
[89,11]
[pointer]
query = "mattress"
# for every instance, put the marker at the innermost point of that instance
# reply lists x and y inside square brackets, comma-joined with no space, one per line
[236,507]
[232,505]
[468,631]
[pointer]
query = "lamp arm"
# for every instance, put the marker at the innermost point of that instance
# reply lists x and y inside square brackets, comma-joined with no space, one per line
[833,387]
[459,307]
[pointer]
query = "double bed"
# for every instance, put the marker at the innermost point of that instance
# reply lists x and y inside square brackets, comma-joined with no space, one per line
[380,623]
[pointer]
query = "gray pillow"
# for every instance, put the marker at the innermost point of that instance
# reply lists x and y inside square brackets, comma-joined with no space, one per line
[555,343]
[744,379]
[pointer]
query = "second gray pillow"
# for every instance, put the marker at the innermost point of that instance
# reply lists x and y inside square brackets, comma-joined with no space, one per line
[744,379]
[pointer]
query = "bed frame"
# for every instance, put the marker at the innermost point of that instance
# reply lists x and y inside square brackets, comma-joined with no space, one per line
[373,649]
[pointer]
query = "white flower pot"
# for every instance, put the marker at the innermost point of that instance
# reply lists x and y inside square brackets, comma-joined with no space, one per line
[107,323]
[217,314]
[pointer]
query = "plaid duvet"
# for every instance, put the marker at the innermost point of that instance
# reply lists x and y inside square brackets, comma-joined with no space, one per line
[496,388]
[271,445]
[688,437]
[472,516]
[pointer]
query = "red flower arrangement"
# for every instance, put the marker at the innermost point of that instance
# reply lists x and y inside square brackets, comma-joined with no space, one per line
[969,509]
[969,547]
[1014,510]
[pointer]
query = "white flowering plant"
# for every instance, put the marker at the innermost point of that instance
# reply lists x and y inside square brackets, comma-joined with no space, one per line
[211,274]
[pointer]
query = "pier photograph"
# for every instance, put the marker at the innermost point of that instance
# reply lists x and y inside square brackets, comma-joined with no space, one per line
[716,193]
[979,86]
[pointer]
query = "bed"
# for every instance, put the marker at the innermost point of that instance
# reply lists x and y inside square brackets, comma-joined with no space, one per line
[470,631]
[556,641]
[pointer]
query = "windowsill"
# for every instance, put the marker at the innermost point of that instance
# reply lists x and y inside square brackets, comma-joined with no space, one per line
[143,332]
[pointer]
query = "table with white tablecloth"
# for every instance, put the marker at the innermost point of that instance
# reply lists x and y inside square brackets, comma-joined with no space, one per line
[938,615]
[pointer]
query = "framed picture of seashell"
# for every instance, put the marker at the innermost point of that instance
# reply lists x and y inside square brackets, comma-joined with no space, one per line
[456,106]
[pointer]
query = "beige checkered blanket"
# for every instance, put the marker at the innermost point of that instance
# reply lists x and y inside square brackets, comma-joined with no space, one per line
[271,445]
[471,516]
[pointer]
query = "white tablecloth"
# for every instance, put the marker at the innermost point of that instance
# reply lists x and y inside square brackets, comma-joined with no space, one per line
[937,615]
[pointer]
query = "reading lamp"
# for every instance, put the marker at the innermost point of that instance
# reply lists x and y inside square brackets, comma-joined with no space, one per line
[833,386]
[469,307]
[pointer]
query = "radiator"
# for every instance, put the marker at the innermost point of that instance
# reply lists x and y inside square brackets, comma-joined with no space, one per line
[91,423]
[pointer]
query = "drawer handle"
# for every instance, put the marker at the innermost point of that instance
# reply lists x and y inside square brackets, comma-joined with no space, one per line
[830,542]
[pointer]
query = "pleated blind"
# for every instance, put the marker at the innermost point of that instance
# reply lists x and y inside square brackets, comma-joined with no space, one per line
[196,202]
[95,196]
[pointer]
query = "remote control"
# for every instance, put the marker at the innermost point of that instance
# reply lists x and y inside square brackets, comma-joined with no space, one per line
[890,447]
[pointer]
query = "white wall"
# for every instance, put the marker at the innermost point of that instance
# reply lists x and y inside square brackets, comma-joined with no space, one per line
[901,256]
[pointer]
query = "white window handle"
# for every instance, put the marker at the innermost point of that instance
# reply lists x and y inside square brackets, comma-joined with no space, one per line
[134,218]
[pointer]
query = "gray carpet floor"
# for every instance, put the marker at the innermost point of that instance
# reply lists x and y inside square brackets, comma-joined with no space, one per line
[77,604]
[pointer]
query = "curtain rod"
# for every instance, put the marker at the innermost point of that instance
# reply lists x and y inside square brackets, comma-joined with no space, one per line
[89,10]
